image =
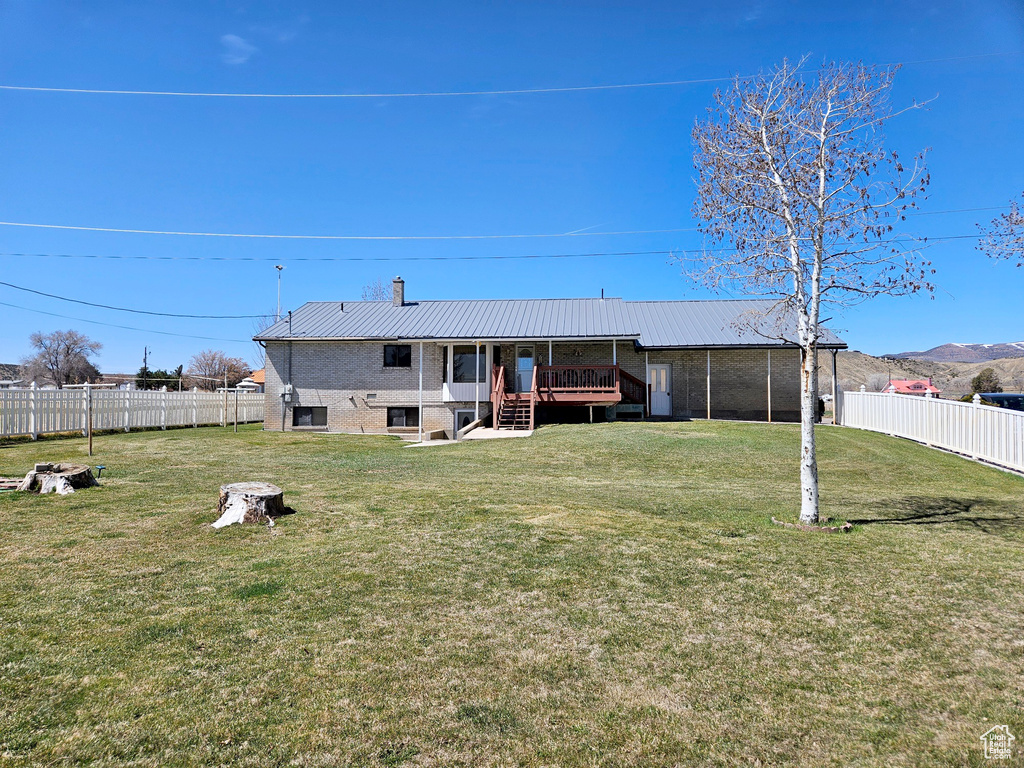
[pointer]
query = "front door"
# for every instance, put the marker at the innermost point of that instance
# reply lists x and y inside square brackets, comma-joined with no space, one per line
[524,368]
[660,378]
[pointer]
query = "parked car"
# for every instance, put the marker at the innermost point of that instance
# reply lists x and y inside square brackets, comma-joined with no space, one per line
[1014,402]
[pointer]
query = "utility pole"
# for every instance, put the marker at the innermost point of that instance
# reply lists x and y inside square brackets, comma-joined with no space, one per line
[279,268]
[145,368]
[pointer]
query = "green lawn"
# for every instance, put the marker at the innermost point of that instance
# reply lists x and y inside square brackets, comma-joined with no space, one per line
[609,594]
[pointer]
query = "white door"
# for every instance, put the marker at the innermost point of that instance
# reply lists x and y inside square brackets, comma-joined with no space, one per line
[524,368]
[660,378]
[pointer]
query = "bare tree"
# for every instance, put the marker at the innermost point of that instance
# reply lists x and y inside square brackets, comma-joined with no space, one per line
[878,382]
[259,325]
[208,369]
[378,290]
[1003,237]
[61,357]
[800,197]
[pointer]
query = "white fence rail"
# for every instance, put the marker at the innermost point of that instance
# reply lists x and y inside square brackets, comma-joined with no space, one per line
[982,432]
[35,412]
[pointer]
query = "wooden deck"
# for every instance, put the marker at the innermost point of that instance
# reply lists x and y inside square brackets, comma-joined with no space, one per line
[566,385]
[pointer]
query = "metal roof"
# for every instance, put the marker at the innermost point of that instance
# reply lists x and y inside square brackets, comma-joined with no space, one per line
[651,323]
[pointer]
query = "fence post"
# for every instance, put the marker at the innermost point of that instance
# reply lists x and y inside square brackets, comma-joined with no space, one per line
[163,407]
[892,411]
[85,412]
[928,418]
[33,425]
[128,408]
[195,407]
[975,413]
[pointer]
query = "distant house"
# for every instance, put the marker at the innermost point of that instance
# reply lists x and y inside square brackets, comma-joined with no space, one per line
[257,380]
[399,366]
[913,387]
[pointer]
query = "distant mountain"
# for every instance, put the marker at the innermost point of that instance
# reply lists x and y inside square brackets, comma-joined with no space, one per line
[966,353]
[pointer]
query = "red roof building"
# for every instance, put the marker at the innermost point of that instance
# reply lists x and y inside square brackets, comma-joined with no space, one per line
[913,387]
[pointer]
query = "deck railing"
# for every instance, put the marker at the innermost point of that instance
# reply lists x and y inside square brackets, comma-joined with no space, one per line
[577,378]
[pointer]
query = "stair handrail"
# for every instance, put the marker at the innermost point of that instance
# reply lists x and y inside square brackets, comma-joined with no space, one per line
[497,391]
[632,387]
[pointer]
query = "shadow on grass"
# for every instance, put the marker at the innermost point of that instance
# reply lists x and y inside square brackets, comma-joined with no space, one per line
[982,514]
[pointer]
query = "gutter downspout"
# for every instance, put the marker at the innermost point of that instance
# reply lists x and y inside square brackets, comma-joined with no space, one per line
[476,385]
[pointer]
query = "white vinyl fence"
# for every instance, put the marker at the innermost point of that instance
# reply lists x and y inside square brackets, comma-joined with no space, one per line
[980,431]
[37,412]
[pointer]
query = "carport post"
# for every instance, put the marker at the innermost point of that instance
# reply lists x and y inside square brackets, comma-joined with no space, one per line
[420,419]
[769,386]
[835,390]
[476,385]
[647,380]
[709,385]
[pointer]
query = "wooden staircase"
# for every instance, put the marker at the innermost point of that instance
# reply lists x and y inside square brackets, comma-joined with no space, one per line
[512,410]
[514,414]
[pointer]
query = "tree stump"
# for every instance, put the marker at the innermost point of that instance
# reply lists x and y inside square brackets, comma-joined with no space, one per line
[249,503]
[60,478]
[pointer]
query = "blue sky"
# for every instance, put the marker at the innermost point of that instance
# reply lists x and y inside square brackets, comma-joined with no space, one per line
[524,164]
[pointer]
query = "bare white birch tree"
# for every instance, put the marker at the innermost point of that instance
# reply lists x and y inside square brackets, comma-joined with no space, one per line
[1003,238]
[800,201]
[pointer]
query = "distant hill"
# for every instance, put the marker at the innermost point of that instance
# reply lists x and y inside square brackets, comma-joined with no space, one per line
[966,353]
[953,378]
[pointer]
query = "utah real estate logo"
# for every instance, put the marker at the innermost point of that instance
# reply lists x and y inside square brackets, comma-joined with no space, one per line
[998,742]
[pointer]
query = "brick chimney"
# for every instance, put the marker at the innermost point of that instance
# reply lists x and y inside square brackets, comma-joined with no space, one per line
[398,292]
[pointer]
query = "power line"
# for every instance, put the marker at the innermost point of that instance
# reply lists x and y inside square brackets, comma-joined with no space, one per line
[338,258]
[125,309]
[123,327]
[411,237]
[341,237]
[434,94]
[596,254]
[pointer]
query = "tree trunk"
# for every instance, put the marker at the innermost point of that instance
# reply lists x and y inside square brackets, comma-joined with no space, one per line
[249,503]
[808,449]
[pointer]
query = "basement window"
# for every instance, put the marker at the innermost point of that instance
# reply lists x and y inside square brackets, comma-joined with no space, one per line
[398,356]
[306,416]
[403,417]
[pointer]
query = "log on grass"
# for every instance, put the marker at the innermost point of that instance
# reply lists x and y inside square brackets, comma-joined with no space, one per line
[249,503]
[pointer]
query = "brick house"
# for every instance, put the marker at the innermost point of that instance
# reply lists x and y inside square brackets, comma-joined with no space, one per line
[436,366]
